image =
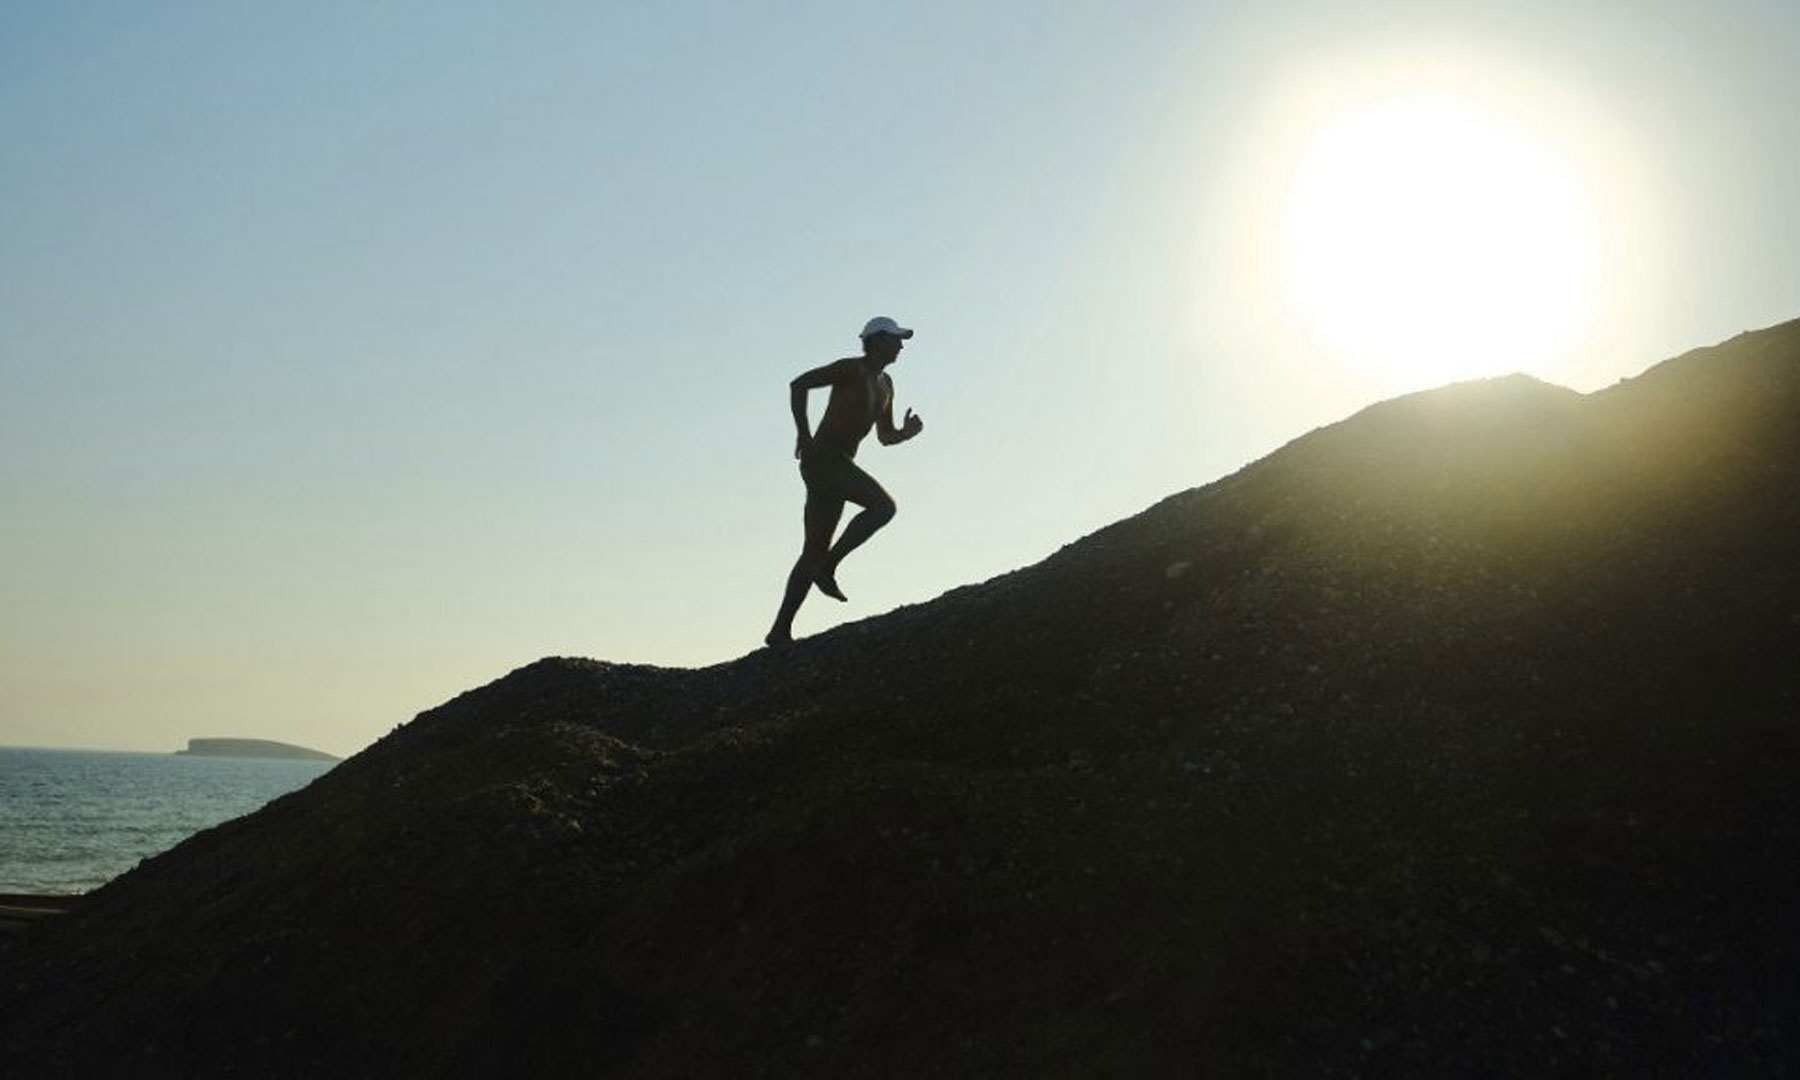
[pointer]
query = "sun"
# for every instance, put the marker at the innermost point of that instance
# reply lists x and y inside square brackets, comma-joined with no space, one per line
[1424,239]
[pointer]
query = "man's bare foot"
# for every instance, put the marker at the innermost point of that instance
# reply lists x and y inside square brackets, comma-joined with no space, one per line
[777,638]
[826,580]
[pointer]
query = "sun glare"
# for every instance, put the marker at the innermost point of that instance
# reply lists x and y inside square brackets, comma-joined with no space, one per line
[1425,240]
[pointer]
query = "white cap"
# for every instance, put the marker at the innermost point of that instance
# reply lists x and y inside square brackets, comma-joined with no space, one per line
[881,324]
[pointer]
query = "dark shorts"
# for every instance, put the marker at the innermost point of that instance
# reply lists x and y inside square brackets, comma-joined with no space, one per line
[831,476]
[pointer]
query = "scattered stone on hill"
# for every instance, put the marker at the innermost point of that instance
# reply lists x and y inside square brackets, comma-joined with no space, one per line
[1457,738]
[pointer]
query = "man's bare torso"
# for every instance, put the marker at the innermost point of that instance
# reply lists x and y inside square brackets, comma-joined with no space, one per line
[860,394]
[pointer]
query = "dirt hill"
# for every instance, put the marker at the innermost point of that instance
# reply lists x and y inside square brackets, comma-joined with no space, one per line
[1458,738]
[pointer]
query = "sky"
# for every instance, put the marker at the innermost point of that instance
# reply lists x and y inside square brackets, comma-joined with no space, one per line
[355,354]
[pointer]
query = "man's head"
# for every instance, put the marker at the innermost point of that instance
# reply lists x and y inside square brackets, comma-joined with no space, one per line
[882,338]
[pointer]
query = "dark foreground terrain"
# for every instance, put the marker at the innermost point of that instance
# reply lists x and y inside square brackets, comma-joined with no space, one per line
[1458,738]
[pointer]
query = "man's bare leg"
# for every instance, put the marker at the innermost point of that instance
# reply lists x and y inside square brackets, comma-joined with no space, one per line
[821,521]
[861,527]
[798,583]
[877,510]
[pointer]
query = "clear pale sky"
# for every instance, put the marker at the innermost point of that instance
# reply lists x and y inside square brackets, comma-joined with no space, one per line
[354,354]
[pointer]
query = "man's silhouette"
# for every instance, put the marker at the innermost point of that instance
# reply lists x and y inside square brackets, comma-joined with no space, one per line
[862,397]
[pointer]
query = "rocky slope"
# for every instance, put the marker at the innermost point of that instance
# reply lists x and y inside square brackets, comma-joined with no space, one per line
[1456,738]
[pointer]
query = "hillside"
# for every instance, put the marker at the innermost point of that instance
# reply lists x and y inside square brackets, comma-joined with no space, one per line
[1455,738]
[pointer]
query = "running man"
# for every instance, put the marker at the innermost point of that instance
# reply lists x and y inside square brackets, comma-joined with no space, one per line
[862,397]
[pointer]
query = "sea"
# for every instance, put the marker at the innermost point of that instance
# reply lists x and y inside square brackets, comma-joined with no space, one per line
[72,820]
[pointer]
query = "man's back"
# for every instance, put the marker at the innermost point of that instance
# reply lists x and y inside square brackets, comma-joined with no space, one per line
[858,396]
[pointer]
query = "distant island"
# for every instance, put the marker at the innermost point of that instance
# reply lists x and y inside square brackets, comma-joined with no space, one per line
[253,748]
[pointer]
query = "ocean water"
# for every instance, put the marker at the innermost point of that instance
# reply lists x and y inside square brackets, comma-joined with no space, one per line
[71,820]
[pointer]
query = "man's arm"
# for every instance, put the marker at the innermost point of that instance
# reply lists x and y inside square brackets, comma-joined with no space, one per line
[885,431]
[816,379]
